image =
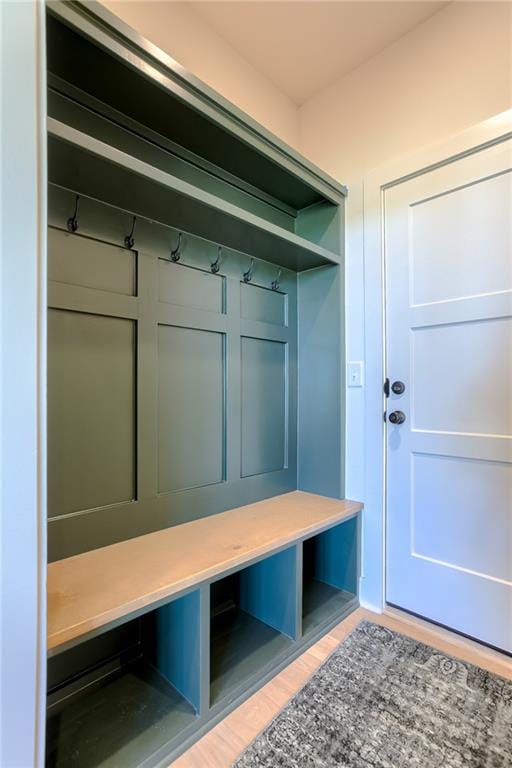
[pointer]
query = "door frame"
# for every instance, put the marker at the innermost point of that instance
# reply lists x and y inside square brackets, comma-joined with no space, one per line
[485,134]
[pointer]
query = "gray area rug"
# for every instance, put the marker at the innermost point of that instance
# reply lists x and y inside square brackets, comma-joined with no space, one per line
[383,700]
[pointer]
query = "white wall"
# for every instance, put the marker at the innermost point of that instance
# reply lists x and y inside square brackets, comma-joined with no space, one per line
[22,385]
[180,32]
[447,74]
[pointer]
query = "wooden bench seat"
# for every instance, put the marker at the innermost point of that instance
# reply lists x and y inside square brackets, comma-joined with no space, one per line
[98,588]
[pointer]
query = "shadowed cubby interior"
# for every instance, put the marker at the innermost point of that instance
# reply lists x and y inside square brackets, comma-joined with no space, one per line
[119,697]
[253,622]
[329,574]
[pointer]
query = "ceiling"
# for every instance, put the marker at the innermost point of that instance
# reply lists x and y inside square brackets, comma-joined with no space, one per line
[304,46]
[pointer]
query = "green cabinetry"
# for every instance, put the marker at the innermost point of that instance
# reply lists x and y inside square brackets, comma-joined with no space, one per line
[195,365]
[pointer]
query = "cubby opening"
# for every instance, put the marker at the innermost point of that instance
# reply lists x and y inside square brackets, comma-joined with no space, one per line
[329,575]
[121,696]
[253,621]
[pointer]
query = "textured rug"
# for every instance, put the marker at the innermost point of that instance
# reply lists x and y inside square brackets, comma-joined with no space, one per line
[383,700]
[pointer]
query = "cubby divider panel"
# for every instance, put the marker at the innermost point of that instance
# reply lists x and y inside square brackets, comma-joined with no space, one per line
[253,622]
[116,699]
[329,574]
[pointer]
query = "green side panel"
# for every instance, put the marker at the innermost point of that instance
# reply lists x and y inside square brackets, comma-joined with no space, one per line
[91,407]
[321,420]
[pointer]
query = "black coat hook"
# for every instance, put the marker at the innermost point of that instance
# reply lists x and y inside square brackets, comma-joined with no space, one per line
[275,283]
[248,275]
[72,222]
[215,265]
[176,252]
[129,240]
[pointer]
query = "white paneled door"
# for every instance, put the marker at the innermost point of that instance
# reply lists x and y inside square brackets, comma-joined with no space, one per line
[448,250]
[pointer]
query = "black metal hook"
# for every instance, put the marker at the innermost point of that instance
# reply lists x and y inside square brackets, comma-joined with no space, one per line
[248,275]
[275,283]
[72,222]
[175,253]
[129,240]
[215,265]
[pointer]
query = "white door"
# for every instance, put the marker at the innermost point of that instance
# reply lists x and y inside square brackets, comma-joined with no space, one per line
[448,251]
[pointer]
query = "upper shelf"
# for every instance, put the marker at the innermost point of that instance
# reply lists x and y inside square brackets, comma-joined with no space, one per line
[79,162]
[121,69]
[125,578]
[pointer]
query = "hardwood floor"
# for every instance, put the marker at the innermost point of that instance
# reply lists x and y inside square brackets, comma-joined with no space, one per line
[224,743]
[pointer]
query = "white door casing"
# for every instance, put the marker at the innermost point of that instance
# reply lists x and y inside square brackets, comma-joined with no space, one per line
[448,255]
[22,384]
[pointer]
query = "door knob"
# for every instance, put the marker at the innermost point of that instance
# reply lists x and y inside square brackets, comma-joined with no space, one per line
[397,417]
[398,387]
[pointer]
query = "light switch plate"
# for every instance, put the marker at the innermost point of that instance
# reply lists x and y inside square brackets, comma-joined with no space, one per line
[355,373]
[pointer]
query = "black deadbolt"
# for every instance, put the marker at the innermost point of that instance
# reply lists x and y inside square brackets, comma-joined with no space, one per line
[397,417]
[398,387]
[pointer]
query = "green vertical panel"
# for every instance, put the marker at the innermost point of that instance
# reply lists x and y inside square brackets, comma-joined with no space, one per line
[264,406]
[91,411]
[321,381]
[190,408]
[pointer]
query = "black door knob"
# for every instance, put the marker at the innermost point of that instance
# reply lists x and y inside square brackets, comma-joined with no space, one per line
[397,417]
[398,387]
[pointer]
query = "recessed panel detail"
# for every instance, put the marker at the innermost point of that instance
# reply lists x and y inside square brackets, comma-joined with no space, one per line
[264,406]
[461,513]
[78,260]
[263,304]
[190,287]
[91,411]
[191,412]
[461,242]
[462,376]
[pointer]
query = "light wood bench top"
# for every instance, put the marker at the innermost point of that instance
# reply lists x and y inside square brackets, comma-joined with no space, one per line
[96,588]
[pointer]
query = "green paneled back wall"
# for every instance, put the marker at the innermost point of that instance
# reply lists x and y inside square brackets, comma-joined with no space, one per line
[172,391]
